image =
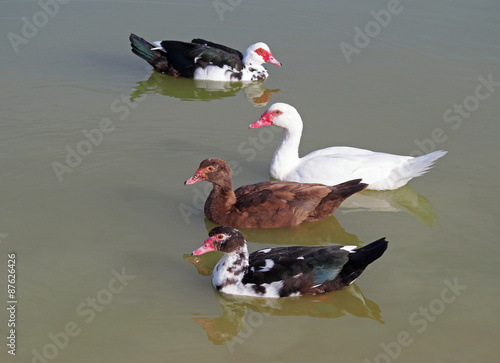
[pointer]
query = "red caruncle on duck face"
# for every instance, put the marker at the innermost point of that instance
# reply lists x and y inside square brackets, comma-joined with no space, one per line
[200,175]
[266,119]
[210,244]
[267,56]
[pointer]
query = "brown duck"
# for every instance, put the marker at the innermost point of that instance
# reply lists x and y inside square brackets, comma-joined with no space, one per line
[269,204]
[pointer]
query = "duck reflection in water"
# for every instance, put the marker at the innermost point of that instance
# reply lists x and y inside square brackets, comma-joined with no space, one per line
[242,315]
[199,90]
[403,199]
[323,232]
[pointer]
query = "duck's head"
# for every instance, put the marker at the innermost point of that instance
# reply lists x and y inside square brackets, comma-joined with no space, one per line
[279,114]
[221,238]
[213,170]
[259,53]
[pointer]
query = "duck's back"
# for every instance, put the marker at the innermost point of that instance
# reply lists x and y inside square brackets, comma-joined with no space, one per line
[336,165]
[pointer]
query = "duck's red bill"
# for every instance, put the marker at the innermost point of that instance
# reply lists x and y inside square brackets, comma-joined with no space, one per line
[264,120]
[274,61]
[208,246]
[195,178]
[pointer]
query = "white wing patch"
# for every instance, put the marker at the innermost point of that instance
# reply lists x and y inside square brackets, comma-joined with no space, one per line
[158,46]
[213,73]
[300,258]
[349,248]
[266,250]
[269,265]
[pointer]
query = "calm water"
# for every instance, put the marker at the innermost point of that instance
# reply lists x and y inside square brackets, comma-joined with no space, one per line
[103,272]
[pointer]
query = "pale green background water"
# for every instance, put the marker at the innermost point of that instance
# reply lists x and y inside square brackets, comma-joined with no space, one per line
[120,207]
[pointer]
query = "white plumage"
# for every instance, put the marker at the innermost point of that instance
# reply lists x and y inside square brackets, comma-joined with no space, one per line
[334,165]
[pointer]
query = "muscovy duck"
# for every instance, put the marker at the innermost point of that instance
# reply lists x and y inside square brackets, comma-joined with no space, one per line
[333,165]
[205,60]
[285,271]
[269,204]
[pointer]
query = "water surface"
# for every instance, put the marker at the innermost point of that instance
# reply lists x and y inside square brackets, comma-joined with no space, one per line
[102,251]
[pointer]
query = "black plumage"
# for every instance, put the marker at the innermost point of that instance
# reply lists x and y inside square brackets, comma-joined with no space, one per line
[312,269]
[285,271]
[217,61]
[180,59]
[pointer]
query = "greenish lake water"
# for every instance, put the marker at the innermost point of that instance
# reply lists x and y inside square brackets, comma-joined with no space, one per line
[102,265]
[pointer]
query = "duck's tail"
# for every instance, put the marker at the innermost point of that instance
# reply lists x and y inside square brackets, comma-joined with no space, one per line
[146,51]
[416,166]
[360,258]
[348,188]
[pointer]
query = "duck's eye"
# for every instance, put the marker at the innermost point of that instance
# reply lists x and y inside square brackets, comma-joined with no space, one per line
[260,51]
[220,237]
[277,112]
[211,168]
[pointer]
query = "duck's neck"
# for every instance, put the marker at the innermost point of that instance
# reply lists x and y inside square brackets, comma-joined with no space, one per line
[286,156]
[220,201]
[230,270]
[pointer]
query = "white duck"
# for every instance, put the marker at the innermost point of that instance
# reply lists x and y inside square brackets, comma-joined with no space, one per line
[334,165]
